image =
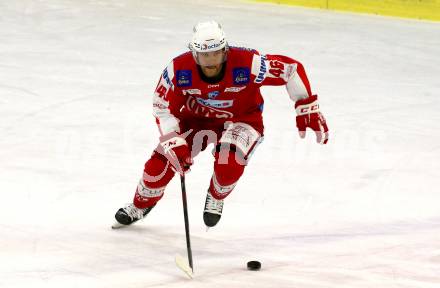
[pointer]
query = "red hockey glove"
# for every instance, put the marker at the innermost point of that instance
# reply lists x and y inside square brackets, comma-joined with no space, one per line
[174,147]
[309,116]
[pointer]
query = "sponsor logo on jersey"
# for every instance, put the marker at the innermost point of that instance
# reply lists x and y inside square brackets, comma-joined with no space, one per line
[192,92]
[290,70]
[166,77]
[159,106]
[215,103]
[213,94]
[234,89]
[205,111]
[241,75]
[262,70]
[184,78]
[213,86]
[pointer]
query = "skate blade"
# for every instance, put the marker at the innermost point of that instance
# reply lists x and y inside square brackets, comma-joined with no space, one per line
[183,265]
[118,225]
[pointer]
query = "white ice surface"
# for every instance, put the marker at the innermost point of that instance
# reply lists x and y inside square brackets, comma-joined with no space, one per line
[76,79]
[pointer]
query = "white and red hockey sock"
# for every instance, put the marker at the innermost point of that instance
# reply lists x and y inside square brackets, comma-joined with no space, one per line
[225,176]
[157,175]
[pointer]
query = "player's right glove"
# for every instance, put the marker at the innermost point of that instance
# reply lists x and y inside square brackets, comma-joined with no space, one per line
[308,115]
[174,147]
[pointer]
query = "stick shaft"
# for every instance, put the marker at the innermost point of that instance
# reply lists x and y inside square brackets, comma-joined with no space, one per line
[185,214]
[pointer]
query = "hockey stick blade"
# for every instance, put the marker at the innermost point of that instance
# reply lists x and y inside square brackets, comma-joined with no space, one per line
[183,265]
[118,225]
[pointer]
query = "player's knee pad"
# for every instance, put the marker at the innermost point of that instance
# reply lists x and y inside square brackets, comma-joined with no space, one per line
[225,176]
[157,171]
[239,138]
[229,172]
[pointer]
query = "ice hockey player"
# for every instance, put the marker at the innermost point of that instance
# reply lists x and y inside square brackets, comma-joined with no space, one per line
[211,94]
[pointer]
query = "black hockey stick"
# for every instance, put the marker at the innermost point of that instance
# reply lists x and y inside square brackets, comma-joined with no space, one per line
[179,260]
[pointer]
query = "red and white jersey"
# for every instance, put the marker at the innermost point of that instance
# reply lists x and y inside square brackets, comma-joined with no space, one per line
[181,94]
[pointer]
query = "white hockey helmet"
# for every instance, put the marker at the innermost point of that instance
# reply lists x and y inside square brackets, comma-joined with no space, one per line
[207,37]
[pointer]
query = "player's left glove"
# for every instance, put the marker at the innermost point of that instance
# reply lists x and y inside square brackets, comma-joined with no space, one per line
[175,148]
[308,115]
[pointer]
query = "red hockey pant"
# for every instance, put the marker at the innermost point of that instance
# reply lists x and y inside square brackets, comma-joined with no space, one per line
[158,173]
[235,143]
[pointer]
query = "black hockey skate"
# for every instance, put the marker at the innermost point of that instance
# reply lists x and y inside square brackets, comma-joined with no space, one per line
[213,210]
[130,214]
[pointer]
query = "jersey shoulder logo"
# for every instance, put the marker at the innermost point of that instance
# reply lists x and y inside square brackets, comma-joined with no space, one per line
[184,78]
[241,75]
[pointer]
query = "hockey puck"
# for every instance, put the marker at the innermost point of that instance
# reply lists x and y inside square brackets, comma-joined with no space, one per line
[253,265]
